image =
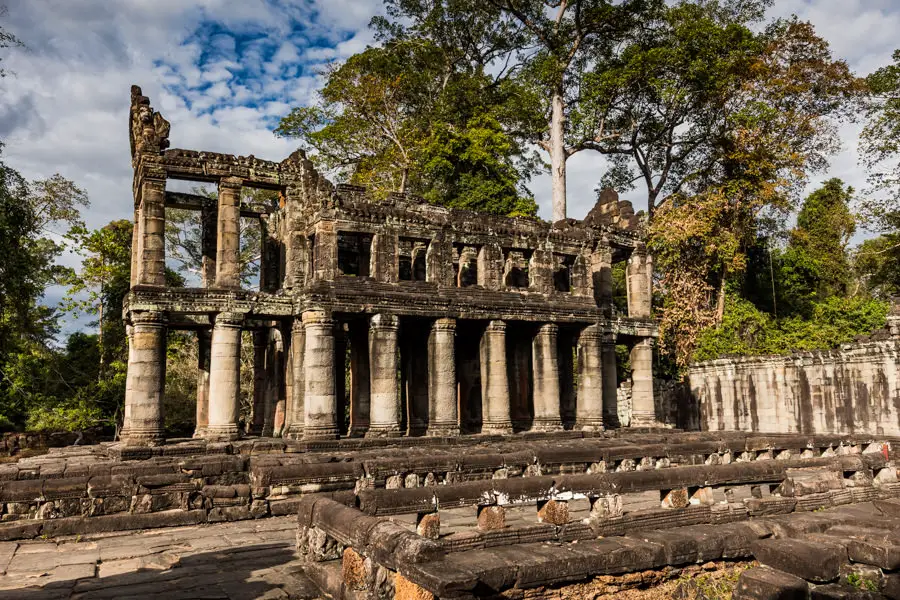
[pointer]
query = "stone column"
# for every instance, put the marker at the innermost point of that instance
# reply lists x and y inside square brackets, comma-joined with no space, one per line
[545,366]
[296,414]
[384,419]
[319,398]
[152,267]
[273,417]
[638,279]
[203,346]
[589,407]
[225,377]
[360,402]
[642,406]
[494,380]
[443,417]
[145,382]
[228,247]
[260,341]
[609,381]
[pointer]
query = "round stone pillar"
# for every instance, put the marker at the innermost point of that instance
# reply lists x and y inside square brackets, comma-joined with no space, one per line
[203,348]
[225,377]
[443,418]
[384,395]
[589,407]
[610,381]
[643,410]
[319,397]
[494,380]
[296,416]
[145,381]
[545,366]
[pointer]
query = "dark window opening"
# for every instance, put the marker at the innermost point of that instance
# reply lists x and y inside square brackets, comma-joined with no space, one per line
[516,269]
[354,253]
[562,272]
[467,268]
[411,255]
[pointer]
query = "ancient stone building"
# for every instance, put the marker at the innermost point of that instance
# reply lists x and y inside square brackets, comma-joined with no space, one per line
[387,318]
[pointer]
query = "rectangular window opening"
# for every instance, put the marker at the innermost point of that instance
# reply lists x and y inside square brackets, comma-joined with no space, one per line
[354,253]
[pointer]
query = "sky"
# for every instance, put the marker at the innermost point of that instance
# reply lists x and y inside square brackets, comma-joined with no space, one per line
[224,71]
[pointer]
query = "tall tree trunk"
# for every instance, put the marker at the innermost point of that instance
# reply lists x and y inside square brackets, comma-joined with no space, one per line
[720,303]
[558,156]
[404,175]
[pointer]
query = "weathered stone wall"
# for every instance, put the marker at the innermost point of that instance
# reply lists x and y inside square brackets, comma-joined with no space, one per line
[853,389]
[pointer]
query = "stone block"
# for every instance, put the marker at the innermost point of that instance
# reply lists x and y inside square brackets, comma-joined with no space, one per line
[768,584]
[839,591]
[429,525]
[404,589]
[491,518]
[703,495]
[354,571]
[553,512]
[818,562]
[883,554]
[605,507]
[677,498]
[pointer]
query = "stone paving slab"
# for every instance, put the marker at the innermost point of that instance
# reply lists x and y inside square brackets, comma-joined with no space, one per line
[228,561]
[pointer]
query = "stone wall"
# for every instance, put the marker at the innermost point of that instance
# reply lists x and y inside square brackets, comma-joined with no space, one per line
[853,389]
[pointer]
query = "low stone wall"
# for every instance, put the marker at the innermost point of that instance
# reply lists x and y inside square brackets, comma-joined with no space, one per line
[854,389]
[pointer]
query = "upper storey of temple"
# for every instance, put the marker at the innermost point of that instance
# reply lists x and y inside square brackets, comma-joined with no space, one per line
[335,245]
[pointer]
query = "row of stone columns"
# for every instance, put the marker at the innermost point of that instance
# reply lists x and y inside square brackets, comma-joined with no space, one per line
[312,404]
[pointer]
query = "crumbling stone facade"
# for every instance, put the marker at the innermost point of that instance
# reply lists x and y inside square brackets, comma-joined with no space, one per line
[449,322]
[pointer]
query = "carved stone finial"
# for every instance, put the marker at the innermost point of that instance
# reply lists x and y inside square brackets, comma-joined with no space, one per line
[148,131]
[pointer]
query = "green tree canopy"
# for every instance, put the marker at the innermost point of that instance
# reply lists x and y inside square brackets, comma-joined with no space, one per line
[405,117]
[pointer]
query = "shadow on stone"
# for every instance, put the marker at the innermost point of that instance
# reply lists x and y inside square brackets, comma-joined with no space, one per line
[249,572]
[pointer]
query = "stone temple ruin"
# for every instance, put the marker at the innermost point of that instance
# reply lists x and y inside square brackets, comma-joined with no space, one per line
[445,324]
[480,315]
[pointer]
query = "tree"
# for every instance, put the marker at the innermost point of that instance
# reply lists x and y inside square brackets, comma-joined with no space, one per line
[880,147]
[876,262]
[815,264]
[7,39]
[543,52]
[100,286]
[690,86]
[406,117]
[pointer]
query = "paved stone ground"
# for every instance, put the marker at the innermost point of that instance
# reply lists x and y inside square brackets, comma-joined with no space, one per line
[228,561]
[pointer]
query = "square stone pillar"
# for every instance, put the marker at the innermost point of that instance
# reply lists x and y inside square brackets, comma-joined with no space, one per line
[643,409]
[320,397]
[385,261]
[384,418]
[228,247]
[443,414]
[438,261]
[273,396]
[601,277]
[325,251]
[296,414]
[225,377]
[152,225]
[609,381]
[494,380]
[589,407]
[638,281]
[540,271]
[204,339]
[209,223]
[545,366]
[260,341]
[490,266]
[145,382]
